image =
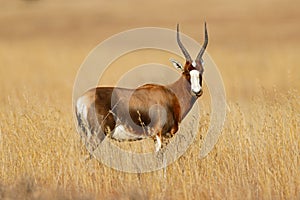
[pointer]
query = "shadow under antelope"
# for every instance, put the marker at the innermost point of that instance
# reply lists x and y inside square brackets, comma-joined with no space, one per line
[149,111]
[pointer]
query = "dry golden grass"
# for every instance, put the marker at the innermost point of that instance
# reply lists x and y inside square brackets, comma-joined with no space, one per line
[255,45]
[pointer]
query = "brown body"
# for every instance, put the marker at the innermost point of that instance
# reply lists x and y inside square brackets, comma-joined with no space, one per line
[150,110]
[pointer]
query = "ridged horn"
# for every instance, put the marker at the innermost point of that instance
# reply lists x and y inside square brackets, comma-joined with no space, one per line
[200,54]
[184,51]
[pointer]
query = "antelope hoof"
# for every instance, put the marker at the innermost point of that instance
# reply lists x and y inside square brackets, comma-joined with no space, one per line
[157,144]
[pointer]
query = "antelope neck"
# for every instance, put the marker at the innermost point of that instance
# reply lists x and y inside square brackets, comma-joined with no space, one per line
[182,90]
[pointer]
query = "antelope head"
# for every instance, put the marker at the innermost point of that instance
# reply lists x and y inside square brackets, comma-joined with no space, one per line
[193,69]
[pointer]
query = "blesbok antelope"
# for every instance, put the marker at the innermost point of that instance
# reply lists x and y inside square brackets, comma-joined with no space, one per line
[149,111]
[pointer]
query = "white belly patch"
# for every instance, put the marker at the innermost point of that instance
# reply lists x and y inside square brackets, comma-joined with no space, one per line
[120,133]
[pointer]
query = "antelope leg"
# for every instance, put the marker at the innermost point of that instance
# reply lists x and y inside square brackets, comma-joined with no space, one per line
[157,143]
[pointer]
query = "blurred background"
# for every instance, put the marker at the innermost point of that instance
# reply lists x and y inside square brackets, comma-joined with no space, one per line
[255,44]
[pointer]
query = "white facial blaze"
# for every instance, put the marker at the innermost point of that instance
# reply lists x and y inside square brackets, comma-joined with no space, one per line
[194,64]
[195,84]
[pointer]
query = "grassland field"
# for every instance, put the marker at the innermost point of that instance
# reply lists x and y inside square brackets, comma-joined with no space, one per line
[255,44]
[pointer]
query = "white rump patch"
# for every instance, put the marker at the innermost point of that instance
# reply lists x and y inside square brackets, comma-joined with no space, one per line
[81,106]
[120,133]
[195,85]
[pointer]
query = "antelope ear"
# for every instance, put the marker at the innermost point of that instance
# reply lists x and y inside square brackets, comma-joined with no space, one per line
[176,64]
